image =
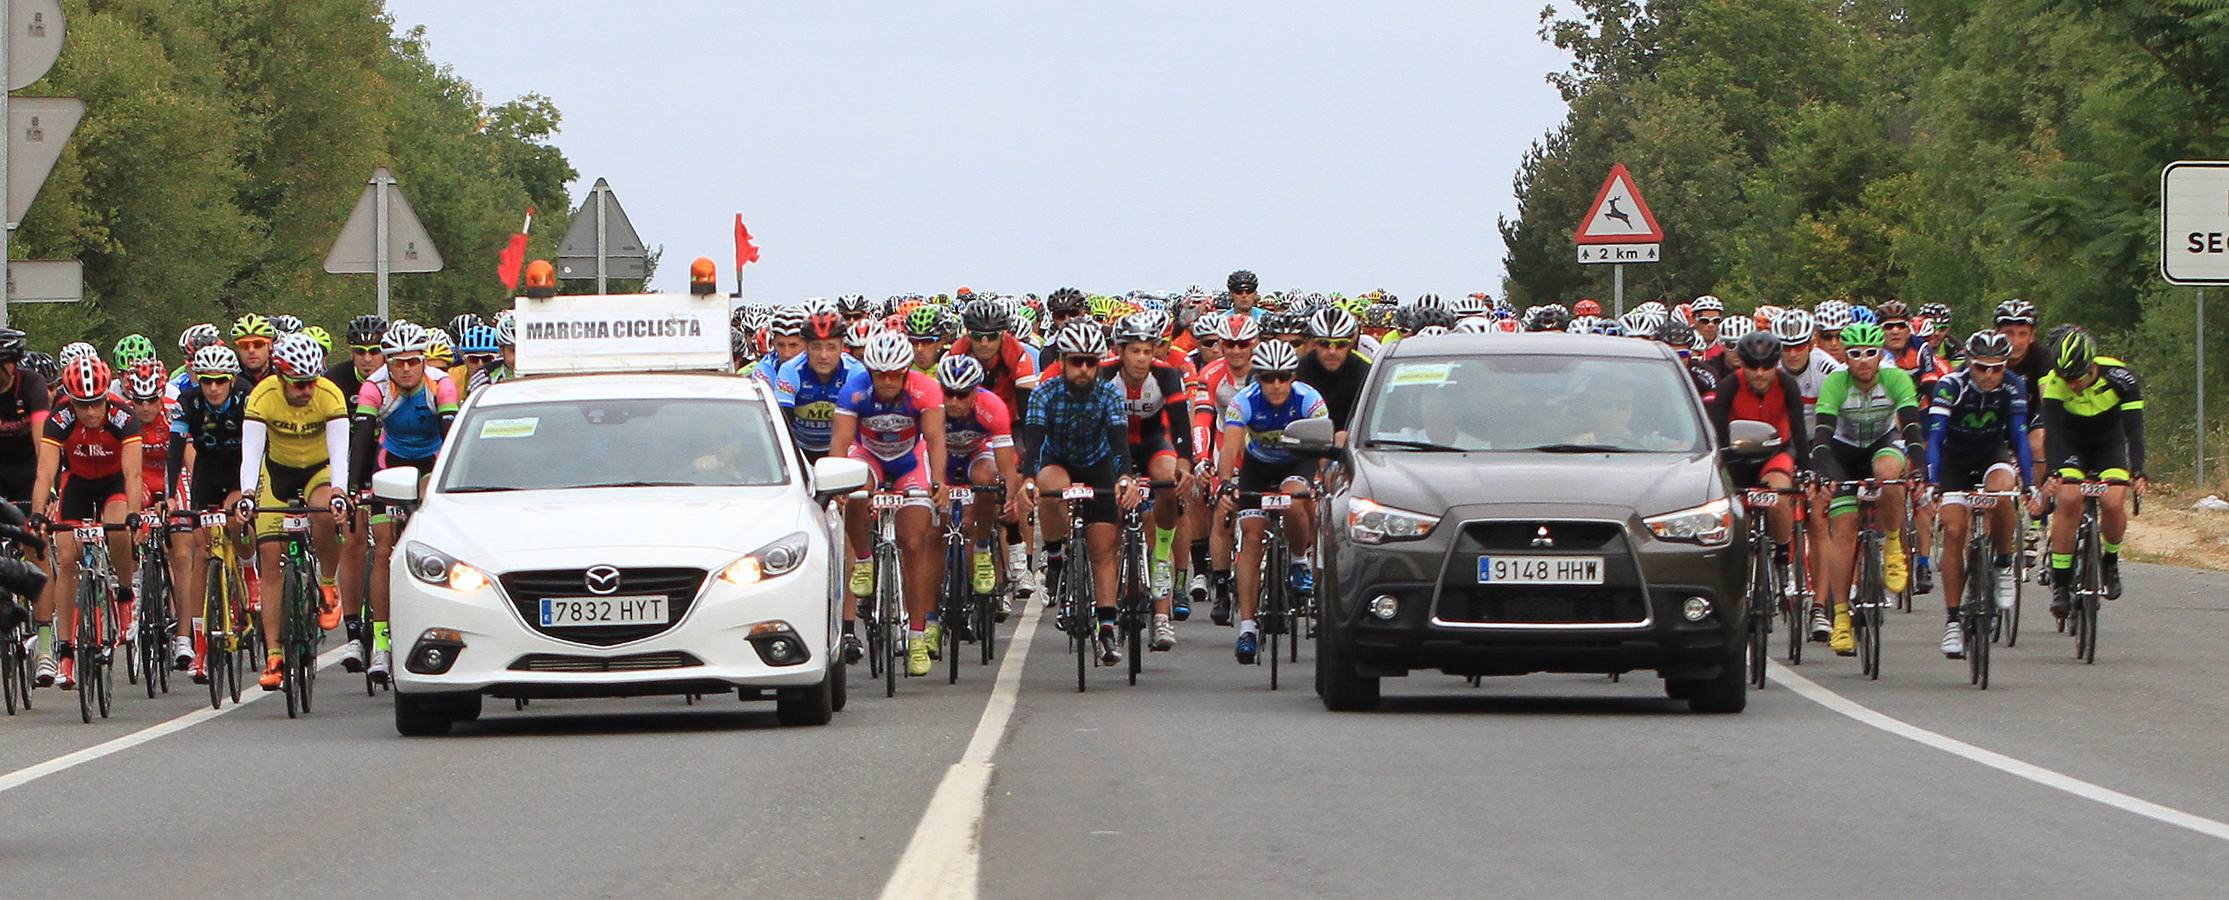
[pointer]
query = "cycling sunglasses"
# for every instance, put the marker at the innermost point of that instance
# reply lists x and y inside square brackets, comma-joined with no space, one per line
[1335,345]
[1238,345]
[1897,324]
[1761,366]
[1863,352]
[214,379]
[366,348]
[1709,320]
[986,335]
[1273,377]
[393,361]
[479,358]
[1080,360]
[1986,367]
[248,343]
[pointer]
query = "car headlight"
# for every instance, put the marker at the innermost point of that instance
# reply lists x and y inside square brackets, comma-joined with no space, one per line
[1371,523]
[439,569]
[1710,524]
[778,558]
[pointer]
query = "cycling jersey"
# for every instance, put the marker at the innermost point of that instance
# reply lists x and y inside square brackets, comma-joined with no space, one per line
[1158,413]
[213,430]
[343,375]
[1265,421]
[410,425]
[1212,393]
[1813,376]
[1013,362]
[986,429]
[154,455]
[92,449]
[1965,421]
[1340,389]
[1864,418]
[810,400]
[889,430]
[1920,361]
[1072,428]
[1780,406]
[23,413]
[296,434]
[2102,421]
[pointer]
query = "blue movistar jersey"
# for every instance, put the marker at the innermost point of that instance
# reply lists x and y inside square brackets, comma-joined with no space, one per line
[1265,422]
[1966,421]
[811,400]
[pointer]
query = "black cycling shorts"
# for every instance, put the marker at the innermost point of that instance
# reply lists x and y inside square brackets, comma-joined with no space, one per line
[82,498]
[213,480]
[1104,508]
[1255,476]
[2107,461]
[1143,452]
[16,481]
[1966,472]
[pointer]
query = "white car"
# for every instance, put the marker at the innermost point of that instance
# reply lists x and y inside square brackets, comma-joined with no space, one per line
[617,535]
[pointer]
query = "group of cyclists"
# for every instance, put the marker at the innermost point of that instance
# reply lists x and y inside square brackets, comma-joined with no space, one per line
[1174,400]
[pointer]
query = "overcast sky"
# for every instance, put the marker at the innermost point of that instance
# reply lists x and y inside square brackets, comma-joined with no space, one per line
[886,147]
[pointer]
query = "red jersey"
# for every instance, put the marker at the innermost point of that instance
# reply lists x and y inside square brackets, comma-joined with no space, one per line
[95,450]
[1001,375]
[1212,391]
[154,453]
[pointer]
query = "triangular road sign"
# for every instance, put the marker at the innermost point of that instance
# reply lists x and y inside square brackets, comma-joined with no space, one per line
[624,254]
[37,129]
[34,40]
[1619,215]
[409,247]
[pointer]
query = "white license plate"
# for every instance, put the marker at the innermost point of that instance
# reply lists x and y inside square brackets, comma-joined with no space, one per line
[1540,570]
[577,612]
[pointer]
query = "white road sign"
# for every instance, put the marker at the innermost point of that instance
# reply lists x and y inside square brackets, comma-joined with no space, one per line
[46,281]
[409,247]
[2194,222]
[34,40]
[37,129]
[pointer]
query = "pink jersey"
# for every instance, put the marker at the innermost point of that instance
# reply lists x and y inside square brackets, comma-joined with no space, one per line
[891,431]
[989,427]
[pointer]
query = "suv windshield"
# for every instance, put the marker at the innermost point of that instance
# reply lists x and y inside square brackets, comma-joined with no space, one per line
[613,443]
[1544,403]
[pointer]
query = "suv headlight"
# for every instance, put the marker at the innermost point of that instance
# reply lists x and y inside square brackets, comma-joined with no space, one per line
[1371,523]
[1710,524]
[778,558]
[439,569]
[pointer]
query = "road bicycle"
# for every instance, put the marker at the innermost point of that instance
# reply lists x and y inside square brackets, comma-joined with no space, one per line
[2088,574]
[228,632]
[1134,581]
[1277,613]
[19,635]
[966,614]
[1870,597]
[885,613]
[96,634]
[149,657]
[1982,611]
[1767,593]
[1078,609]
[299,633]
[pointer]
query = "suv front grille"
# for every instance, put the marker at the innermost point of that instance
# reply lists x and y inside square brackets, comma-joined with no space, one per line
[1618,600]
[526,590]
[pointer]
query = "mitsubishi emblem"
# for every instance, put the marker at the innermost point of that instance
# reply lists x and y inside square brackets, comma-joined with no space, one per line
[1541,538]
[605,579]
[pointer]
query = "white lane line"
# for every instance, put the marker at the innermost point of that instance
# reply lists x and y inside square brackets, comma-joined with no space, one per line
[67,761]
[1810,690]
[942,858]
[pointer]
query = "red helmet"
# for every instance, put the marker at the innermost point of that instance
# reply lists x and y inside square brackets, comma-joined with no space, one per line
[86,380]
[824,326]
[145,380]
[1587,307]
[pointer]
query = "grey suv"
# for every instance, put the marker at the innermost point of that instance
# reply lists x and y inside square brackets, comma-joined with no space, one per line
[1508,504]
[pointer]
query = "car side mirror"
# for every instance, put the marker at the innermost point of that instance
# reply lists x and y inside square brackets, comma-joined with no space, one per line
[1315,438]
[1752,440]
[835,477]
[396,485]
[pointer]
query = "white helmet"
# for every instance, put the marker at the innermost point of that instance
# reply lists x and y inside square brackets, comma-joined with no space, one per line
[1833,315]
[1732,328]
[1332,323]
[1275,356]
[1237,327]
[1793,326]
[1475,325]
[1707,303]
[1081,338]
[74,351]
[215,359]
[888,352]
[298,357]
[405,337]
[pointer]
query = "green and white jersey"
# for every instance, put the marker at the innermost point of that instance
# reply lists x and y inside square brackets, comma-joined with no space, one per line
[1865,418]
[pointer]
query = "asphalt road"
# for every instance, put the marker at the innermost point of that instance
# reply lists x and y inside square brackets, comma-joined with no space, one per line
[1199,781]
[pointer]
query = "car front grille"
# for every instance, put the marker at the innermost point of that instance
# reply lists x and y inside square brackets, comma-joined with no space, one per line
[1618,600]
[526,590]
[638,662]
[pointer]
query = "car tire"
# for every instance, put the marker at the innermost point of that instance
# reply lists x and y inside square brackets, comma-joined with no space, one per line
[466,708]
[1728,692]
[1679,688]
[809,706]
[839,687]
[1342,689]
[421,716]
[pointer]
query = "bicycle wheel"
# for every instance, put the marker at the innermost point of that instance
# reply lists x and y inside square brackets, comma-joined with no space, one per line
[950,606]
[1082,612]
[215,633]
[985,609]
[1871,597]
[2089,588]
[9,671]
[889,614]
[1276,598]
[1977,647]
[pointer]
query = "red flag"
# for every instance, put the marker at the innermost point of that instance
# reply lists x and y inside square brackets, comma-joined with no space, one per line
[514,255]
[745,251]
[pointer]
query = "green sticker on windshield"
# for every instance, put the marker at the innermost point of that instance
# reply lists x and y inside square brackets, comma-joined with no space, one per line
[1425,374]
[509,428]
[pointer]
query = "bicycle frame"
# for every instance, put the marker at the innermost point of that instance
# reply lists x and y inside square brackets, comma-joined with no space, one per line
[300,635]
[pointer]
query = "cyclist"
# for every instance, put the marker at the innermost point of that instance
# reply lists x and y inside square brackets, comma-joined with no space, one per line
[807,386]
[402,414]
[892,418]
[1708,315]
[251,340]
[2093,427]
[1330,365]
[1915,357]
[365,357]
[1251,461]
[1074,434]
[209,421]
[479,350]
[1977,439]
[785,339]
[1760,390]
[979,442]
[2016,320]
[1218,384]
[295,436]
[506,365]
[1245,289]
[92,448]
[1867,423]
[927,328]
[145,388]
[25,401]
[1160,445]
[1833,316]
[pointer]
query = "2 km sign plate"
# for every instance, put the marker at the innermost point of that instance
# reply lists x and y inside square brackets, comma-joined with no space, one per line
[2194,222]
[1619,228]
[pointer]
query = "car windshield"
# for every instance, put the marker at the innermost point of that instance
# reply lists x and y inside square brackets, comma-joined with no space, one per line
[613,443]
[1545,404]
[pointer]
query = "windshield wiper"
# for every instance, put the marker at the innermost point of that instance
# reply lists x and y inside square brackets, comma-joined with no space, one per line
[479,489]
[627,484]
[1580,448]
[1426,446]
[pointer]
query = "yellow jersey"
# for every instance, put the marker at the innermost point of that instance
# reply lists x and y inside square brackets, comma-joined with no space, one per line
[296,433]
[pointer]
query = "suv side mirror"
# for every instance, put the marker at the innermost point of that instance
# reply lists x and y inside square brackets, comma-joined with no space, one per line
[397,485]
[1312,438]
[835,477]
[1752,440]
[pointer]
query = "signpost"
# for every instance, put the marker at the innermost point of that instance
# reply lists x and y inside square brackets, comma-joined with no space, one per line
[37,129]
[1619,229]
[601,242]
[2194,250]
[383,237]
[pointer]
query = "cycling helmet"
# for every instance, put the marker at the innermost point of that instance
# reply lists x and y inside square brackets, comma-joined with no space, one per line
[477,339]
[215,359]
[365,330]
[1551,317]
[1764,316]
[1465,307]
[1641,323]
[888,352]
[298,358]
[788,321]
[1793,327]
[1580,324]
[12,344]
[195,337]
[1203,327]
[405,338]
[987,317]
[1275,356]
[1758,348]
[1677,333]
[1430,330]
[741,345]
[1428,301]
[1923,327]
[86,379]
[959,373]
[1892,311]
[1242,281]
[1475,325]
[439,348]
[1864,314]
[926,322]
[253,325]
[1333,324]
[1588,307]
[321,336]
[145,380]
[852,305]
[1833,315]
[1733,328]
[1939,312]
[816,305]
[506,331]
[77,350]
[1988,345]
[1706,303]
[2073,353]
[860,332]
[1156,322]
[1237,327]
[43,364]
[1138,328]
[285,324]
[463,322]
[131,347]
[1066,301]
[1862,334]
[1080,339]
[824,326]
[2016,312]
[753,318]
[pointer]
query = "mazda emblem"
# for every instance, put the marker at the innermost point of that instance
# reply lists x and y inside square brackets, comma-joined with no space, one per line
[1542,539]
[602,579]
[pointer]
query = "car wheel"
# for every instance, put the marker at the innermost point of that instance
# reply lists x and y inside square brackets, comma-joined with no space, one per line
[1679,688]
[1342,689]
[1728,692]
[421,716]
[466,708]
[809,706]
[839,687]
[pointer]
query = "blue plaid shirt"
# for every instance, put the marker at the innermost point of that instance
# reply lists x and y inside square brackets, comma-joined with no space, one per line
[1076,424]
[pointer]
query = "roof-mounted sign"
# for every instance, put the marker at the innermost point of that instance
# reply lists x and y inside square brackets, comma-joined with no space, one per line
[622,333]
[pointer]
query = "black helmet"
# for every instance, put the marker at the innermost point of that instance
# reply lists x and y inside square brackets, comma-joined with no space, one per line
[2072,354]
[1758,347]
[1243,281]
[44,364]
[1065,302]
[1677,333]
[2016,312]
[12,345]
[366,330]
[1988,345]
[986,317]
